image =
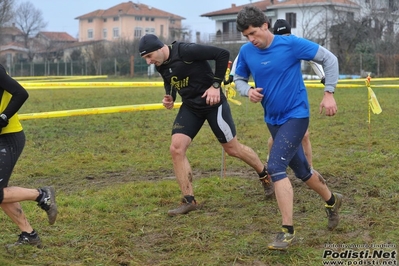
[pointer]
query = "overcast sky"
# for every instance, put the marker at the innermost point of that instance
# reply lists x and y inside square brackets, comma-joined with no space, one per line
[60,14]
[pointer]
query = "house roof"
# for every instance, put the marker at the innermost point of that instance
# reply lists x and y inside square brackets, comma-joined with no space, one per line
[15,46]
[129,8]
[293,3]
[235,9]
[308,2]
[57,36]
[273,4]
[11,31]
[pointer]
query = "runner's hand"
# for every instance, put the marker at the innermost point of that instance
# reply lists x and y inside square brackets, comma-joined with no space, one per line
[167,102]
[255,95]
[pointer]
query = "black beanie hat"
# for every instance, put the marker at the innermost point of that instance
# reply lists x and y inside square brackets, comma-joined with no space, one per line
[149,43]
[281,26]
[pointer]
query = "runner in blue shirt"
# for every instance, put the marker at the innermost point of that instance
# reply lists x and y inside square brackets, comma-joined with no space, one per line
[274,62]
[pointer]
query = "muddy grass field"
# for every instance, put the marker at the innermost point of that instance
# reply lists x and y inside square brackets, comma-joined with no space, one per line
[115,184]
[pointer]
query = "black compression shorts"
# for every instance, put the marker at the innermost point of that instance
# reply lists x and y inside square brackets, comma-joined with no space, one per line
[220,120]
[11,146]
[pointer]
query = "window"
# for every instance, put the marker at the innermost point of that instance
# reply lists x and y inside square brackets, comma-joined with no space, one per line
[172,21]
[149,30]
[105,20]
[147,19]
[104,33]
[90,34]
[291,19]
[116,18]
[138,32]
[115,32]
[90,20]
[138,18]
[161,31]
[230,31]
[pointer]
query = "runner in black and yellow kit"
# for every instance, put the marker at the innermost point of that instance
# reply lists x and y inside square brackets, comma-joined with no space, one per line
[12,142]
[185,69]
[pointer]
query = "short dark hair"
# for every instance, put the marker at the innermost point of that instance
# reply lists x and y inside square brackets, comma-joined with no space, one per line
[251,16]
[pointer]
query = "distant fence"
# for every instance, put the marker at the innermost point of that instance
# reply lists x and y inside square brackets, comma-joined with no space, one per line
[110,67]
[378,65]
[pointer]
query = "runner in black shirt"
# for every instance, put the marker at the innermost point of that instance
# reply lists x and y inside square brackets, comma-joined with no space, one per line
[185,69]
[12,142]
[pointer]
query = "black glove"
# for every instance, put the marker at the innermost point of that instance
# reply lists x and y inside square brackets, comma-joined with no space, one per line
[323,80]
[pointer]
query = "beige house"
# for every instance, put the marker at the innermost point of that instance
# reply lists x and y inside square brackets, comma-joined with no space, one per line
[129,21]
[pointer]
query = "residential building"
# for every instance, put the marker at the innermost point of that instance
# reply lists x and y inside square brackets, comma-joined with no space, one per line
[129,21]
[309,18]
[12,48]
[353,29]
[48,38]
[83,49]
[50,45]
[13,52]
[11,34]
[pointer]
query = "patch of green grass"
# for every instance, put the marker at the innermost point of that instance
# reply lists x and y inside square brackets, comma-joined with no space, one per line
[114,180]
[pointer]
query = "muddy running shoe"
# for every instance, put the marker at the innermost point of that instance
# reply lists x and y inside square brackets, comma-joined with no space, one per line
[268,186]
[184,208]
[48,204]
[283,240]
[25,238]
[332,211]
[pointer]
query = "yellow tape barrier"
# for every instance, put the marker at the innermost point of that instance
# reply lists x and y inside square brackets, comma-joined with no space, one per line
[128,108]
[95,111]
[47,78]
[91,85]
[87,85]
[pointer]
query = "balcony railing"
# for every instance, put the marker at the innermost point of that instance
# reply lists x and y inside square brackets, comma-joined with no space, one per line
[227,37]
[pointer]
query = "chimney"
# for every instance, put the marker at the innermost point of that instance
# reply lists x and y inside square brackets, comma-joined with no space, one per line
[233,5]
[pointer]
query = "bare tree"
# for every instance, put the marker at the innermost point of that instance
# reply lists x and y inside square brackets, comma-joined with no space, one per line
[368,43]
[382,19]
[29,20]
[122,50]
[6,11]
[95,53]
[311,28]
